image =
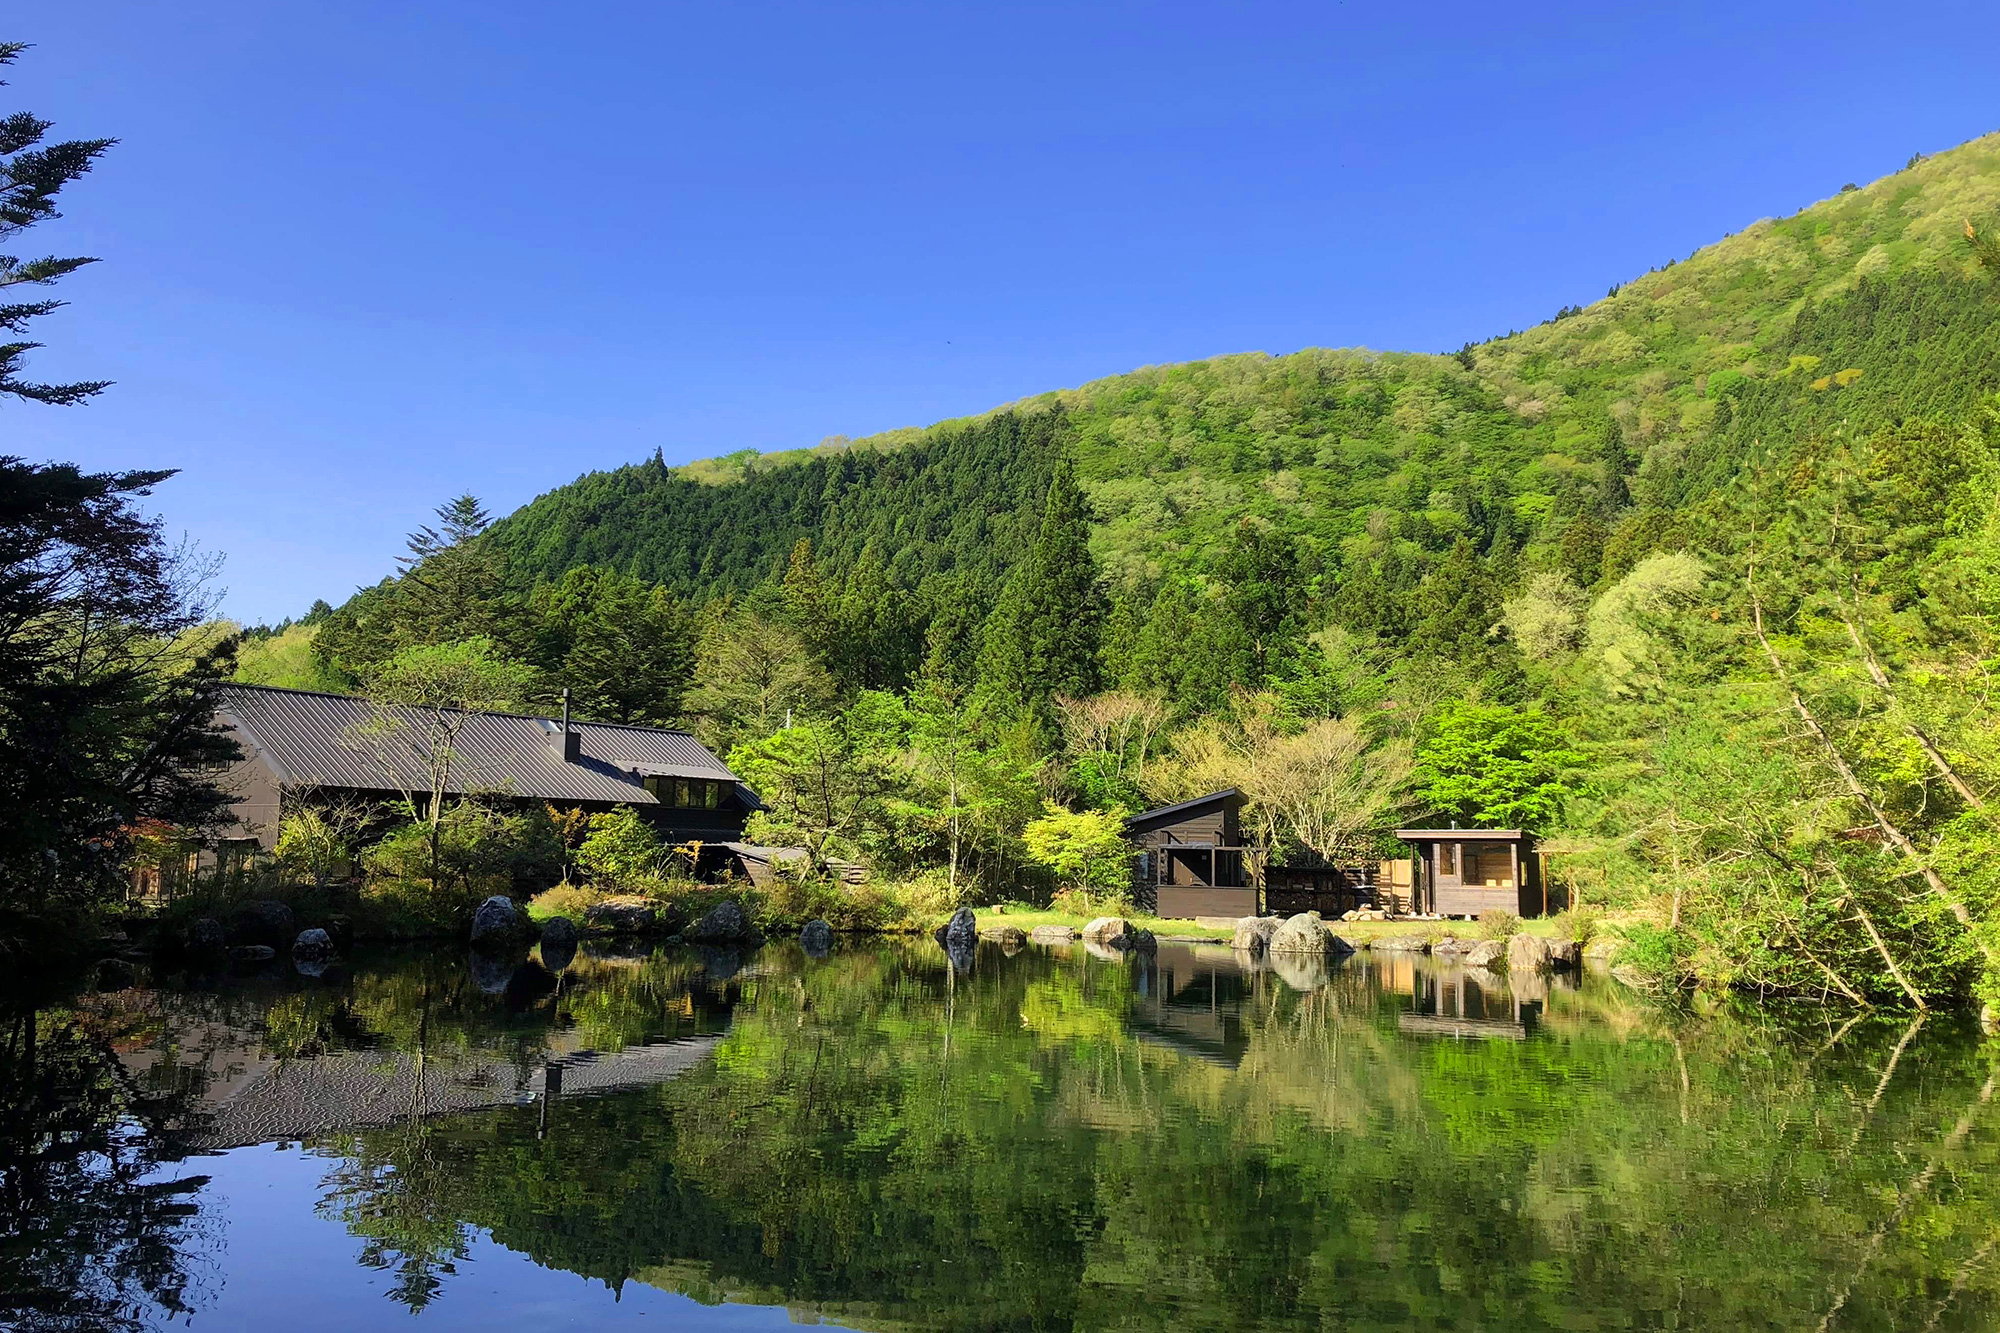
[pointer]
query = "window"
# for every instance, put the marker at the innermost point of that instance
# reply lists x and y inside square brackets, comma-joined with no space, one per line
[1447,858]
[686,793]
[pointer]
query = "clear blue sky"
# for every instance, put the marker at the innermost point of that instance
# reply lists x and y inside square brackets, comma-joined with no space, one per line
[361,256]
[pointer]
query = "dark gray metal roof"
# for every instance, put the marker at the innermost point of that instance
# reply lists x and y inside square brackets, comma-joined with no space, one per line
[337,740]
[1166,813]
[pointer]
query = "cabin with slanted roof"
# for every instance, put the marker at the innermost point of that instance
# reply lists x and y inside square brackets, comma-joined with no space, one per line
[1192,859]
[335,746]
[1463,872]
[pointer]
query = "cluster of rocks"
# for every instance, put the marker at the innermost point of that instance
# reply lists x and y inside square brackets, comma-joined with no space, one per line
[1117,934]
[258,931]
[1307,934]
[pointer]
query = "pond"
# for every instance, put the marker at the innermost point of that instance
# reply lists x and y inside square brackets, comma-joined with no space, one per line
[1047,1139]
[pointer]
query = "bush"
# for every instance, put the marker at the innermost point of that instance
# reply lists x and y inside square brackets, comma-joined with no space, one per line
[1580,923]
[478,847]
[1086,902]
[1658,952]
[620,848]
[570,900]
[1497,923]
[795,896]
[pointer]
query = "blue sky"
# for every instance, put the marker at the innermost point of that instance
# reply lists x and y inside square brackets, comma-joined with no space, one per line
[360,257]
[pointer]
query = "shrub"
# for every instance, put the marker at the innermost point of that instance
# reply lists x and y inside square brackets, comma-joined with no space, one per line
[1658,952]
[478,847]
[1085,902]
[620,848]
[570,900]
[1498,923]
[314,847]
[1580,923]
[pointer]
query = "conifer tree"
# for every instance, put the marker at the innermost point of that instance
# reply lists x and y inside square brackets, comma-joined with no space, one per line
[1044,636]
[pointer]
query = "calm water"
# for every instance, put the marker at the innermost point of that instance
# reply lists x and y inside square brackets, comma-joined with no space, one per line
[1047,1140]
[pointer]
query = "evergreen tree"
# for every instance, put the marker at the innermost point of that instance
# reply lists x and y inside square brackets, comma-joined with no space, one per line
[1044,636]
[30,178]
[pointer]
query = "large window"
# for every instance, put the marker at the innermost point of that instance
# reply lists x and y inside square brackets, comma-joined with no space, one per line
[686,793]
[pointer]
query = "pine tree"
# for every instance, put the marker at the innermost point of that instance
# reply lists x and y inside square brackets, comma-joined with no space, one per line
[30,179]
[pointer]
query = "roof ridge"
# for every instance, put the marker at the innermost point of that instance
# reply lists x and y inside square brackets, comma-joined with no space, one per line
[476,712]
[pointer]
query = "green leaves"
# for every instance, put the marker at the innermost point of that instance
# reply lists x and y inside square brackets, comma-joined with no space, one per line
[1492,766]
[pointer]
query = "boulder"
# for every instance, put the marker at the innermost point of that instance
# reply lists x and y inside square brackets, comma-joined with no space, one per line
[1400,944]
[719,965]
[1052,934]
[206,938]
[626,916]
[1253,934]
[1566,955]
[313,944]
[1339,945]
[1450,948]
[1601,951]
[1007,936]
[559,930]
[1301,971]
[1528,953]
[265,922]
[1304,933]
[558,954]
[817,938]
[1486,953]
[960,934]
[252,953]
[499,924]
[1115,932]
[1351,914]
[726,923]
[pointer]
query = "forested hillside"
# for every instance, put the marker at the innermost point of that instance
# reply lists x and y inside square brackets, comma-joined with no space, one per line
[1699,582]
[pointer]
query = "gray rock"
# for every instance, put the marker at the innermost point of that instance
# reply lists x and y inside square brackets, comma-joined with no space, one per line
[559,930]
[252,953]
[1400,944]
[817,938]
[1339,945]
[491,971]
[1142,941]
[263,922]
[498,924]
[1301,971]
[1304,933]
[1532,953]
[625,916]
[1052,934]
[726,923]
[1450,948]
[1253,934]
[558,954]
[1602,949]
[1006,935]
[1486,953]
[1109,931]
[961,933]
[206,937]
[1566,955]
[314,943]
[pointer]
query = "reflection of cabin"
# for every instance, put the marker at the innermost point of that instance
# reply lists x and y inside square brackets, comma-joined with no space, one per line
[337,746]
[1463,872]
[1192,859]
[1450,1002]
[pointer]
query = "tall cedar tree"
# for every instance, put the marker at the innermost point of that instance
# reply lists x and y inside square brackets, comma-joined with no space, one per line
[1044,636]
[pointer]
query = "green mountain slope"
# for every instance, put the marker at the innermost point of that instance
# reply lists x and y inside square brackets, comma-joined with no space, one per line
[1620,413]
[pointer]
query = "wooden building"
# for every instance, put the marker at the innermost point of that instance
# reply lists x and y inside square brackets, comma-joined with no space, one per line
[301,743]
[1192,859]
[1463,872]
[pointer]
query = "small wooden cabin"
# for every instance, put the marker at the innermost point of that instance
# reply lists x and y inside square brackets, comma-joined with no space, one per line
[1463,872]
[1192,859]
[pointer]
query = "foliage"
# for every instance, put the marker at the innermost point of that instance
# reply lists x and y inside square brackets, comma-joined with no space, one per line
[1494,766]
[620,847]
[1086,850]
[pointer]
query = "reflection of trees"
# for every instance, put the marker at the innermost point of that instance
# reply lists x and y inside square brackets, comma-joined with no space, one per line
[95,1231]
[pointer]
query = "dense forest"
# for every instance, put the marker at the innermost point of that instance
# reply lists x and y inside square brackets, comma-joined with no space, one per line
[1693,581]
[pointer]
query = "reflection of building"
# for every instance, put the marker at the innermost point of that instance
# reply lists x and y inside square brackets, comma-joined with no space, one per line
[1194,1001]
[1463,872]
[1466,1002]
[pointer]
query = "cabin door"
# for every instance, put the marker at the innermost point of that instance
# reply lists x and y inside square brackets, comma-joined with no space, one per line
[1450,872]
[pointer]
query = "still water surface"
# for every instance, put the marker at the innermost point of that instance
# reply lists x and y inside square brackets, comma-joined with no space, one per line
[1046,1140]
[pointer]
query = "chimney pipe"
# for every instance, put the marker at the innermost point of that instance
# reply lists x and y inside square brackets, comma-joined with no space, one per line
[570,750]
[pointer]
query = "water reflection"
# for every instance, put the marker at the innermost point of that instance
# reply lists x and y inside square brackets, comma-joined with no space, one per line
[885,1136]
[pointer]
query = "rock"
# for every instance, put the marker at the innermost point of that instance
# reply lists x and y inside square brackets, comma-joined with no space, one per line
[559,930]
[1106,929]
[1449,948]
[961,933]
[311,967]
[817,938]
[558,954]
[1486,953]
[252,953]
[1566,955]
[314,943]
[726,923]
[718,965]
[1052,934]
[499,924]
[265,922]
[1527,954]
[1637,980]
[115,974]
[1400,944]
[491,971]
[1142,941]
[1014,943]
[1006,936]
[1602,949]
[1253,933]
[1339,945]
[1301,971]
[206,937]
[625,916]
[340,930]
[1351,914]
[1304,933]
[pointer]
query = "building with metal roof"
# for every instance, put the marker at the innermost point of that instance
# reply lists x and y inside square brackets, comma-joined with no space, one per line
[297,742]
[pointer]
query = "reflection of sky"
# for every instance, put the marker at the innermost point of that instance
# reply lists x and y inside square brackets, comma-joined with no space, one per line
[287,1268]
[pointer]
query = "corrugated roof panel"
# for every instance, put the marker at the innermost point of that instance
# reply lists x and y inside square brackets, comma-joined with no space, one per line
[338,740]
